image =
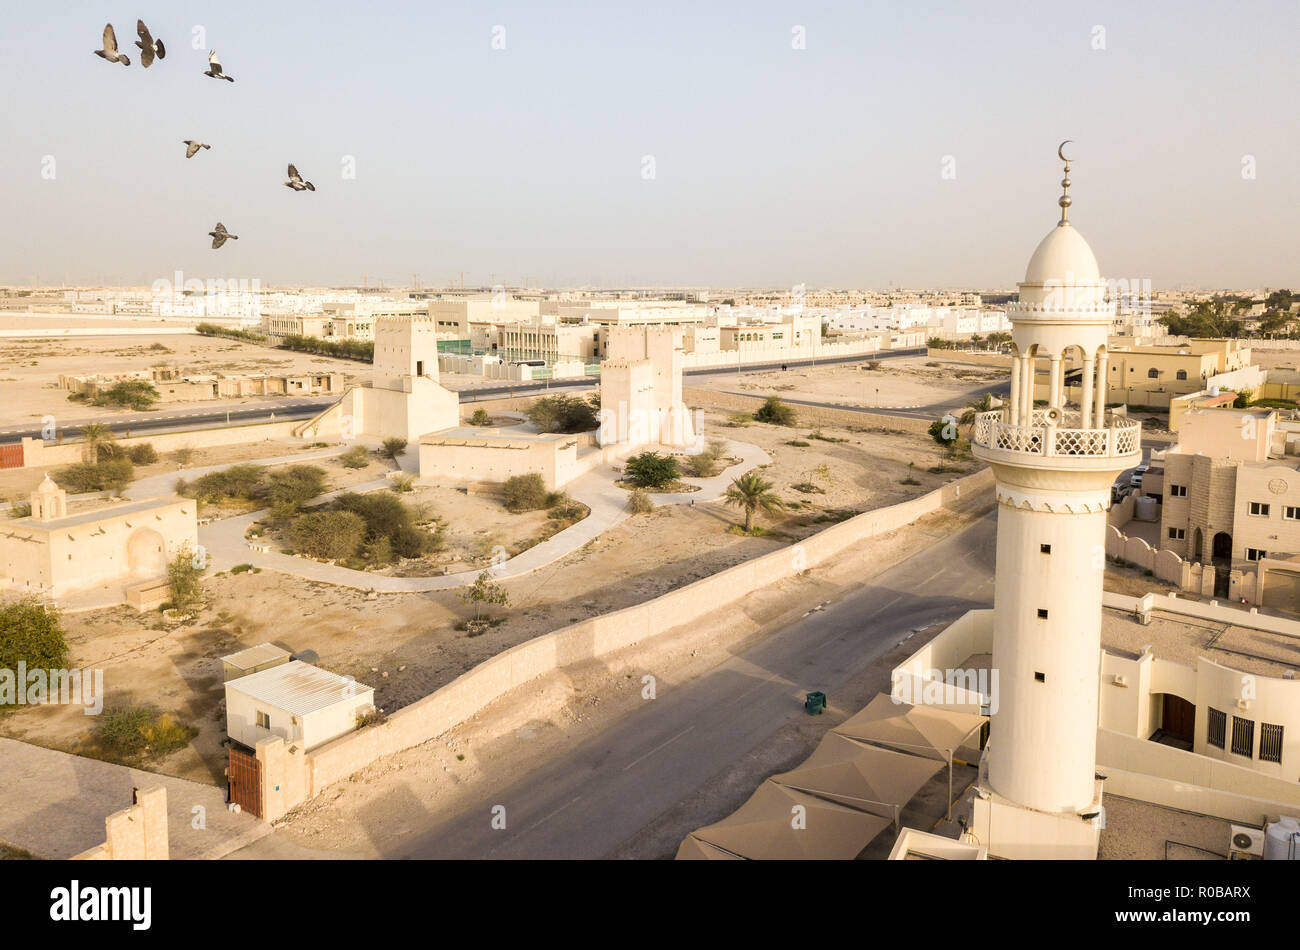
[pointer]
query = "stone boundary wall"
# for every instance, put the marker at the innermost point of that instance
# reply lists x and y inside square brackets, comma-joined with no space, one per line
[138,832]
[997,360]
[39,454]
[807,416]
[773,354]
[298,777]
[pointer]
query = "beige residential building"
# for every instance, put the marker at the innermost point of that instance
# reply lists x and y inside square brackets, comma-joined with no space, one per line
[1231,499]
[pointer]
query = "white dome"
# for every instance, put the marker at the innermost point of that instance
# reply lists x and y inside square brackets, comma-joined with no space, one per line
[1063,257]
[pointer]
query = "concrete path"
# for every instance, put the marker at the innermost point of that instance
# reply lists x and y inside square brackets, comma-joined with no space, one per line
[54,804]
[226,546]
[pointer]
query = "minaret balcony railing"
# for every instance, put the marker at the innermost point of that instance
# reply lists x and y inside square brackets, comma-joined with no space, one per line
[1058,434]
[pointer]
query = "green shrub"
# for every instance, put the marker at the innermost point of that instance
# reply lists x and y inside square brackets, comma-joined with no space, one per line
[640,502]
[775,412]
[241,568]
[335,535]
[31,633]
[293,485]
[237,482]
[739,419]
[355,457]
[404,483]
[480,418]
[136,733]
[700,466]
[112,474]
[386,517]
[142,454]
[131,394]
[651,470]
[525,493]
[393,446]
[183,580]
[563,413]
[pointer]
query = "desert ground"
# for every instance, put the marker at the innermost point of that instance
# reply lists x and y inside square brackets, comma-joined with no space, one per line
[912,381]
[407,645]
[29,380]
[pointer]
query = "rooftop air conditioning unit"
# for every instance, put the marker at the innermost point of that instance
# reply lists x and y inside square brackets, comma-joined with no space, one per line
[1245,843]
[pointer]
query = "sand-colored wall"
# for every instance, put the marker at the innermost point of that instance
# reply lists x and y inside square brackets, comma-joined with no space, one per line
[451,705]
[137,833]
[38,454]
[806,415]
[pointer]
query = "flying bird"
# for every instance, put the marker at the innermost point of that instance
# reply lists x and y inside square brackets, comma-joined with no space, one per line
[214,68]
[219,234]
[192,147]
[296,183]
[149,47]
[109,52]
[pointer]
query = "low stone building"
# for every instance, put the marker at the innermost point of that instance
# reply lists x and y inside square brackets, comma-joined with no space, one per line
[54,554]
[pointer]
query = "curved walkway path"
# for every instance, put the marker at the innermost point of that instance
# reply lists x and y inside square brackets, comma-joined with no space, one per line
[226,546]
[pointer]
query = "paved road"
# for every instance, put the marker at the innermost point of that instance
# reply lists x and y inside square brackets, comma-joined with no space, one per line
[589,802]
[192,417]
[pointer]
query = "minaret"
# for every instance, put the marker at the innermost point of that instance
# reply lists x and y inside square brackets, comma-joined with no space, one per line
[1054,466]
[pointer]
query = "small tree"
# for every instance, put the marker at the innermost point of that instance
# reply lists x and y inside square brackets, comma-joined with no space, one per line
[294,485]
[751,492]
[31,633]
[393,446]
[525,492]
[944,431]
[100,442]
[484,592]
[135,394]
[651,470]
[335,535]
[775,412]
[142,454]
[480,418]
[184,573]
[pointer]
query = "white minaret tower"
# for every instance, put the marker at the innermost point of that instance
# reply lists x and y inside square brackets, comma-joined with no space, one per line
[1054,465]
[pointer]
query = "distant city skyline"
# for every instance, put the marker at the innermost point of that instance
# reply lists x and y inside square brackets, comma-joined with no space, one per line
[674,146]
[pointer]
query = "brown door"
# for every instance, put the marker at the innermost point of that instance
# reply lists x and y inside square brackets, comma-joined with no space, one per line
[245,781]
[1178,717]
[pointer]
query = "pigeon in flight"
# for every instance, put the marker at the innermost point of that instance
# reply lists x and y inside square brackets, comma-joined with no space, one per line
[214,68]
[219,235]
[109,52]
[296,183]
[149,47]
[192,147]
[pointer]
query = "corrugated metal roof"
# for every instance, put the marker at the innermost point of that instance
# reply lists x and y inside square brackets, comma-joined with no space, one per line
[255,656]
[298,688]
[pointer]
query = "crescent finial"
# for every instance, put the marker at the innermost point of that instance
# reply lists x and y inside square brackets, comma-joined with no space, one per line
[1060,150]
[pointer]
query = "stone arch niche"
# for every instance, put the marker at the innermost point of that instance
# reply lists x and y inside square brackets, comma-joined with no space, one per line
[146,553]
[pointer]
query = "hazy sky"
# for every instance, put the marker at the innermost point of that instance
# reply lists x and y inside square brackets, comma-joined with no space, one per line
[772,165]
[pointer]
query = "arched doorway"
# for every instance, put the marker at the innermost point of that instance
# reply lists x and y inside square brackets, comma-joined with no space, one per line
[1221,555]
[1177,721]
[146,553]
[1198,545]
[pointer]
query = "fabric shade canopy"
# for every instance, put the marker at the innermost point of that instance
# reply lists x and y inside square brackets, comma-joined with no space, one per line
[693,849]
[860,776]
[923,730]
[765,827]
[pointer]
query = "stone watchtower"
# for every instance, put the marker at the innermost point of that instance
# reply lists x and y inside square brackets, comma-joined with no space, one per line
[1054,465]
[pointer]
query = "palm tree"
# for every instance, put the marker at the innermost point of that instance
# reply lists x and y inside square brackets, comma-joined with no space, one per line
[753,493]
[983,404]
[99,440]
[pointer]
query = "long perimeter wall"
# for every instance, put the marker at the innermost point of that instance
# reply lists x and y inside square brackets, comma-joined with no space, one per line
[296,777]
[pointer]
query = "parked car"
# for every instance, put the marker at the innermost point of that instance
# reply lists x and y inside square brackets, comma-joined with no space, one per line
[1136,478]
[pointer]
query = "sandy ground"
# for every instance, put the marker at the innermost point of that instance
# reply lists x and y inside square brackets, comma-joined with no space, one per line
[898,382]
[412,637]
[29,369]
[559,711]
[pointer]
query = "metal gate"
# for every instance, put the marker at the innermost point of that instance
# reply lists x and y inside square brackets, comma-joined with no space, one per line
[244,781]
[11,456]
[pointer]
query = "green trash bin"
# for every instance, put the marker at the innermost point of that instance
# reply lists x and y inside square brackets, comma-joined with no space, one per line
[815,703]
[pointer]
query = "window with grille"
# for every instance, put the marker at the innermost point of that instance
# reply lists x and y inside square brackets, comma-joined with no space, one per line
[1243,736]
[264,720]
[1177,534]
[1255,554]
[1270,742]
[1259,508]
[1217,727]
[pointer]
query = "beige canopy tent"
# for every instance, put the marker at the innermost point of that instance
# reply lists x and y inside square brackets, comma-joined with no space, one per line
[779,823]
[693,849]
[924,730]
[865,777]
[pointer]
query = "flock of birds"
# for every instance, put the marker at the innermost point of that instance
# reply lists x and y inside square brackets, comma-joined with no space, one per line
[151,49]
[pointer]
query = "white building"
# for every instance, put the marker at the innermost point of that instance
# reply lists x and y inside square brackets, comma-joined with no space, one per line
[1038,793]
[299,702]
